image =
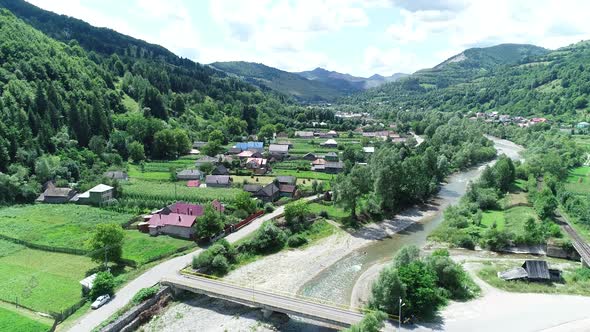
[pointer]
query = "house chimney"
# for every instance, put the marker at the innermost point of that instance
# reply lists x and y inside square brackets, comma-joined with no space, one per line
[179,219]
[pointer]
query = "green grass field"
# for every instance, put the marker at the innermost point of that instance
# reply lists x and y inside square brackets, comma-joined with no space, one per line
[43,281]
[160,170]
[516,218]
[491,217]
[578,181]
[334,212]
[12,321]
[304,174]
[63,225]
[141,247]
[70,226]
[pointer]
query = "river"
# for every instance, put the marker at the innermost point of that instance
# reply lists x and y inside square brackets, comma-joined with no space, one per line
[336,282]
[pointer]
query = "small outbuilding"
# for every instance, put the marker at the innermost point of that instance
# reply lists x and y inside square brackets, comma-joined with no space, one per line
[117,175]
[190,174]
[532,270]
[331,143]
[218,181]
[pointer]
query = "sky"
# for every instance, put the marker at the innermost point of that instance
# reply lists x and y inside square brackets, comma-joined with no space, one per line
[359,37]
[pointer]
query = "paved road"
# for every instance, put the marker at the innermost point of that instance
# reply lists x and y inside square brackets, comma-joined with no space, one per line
[153,275]
[271,301]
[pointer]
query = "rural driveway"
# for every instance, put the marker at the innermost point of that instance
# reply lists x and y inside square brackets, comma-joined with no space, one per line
[153,275]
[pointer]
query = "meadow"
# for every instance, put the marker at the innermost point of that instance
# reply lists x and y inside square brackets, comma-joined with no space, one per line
[70,226]
[578,181]
[12,321]
[334,212]
[40,280]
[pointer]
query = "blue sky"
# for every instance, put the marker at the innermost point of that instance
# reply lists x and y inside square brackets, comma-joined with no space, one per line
[350,36]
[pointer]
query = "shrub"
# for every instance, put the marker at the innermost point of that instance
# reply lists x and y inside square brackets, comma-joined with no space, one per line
[268,207]
[103,284]
[220,265]
[144,294]
[296,240]
[268,238]
[463,240]
[324,214]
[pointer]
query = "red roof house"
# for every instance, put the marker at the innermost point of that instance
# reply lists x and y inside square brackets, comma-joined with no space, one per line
[174,224]
[193,183]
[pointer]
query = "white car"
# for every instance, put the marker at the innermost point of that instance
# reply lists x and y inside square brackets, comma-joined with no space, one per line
[100,301]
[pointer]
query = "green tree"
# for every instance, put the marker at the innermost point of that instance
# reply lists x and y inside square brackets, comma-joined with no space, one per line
[104,283]
[245,202]
[106,241]
[545,203]
[296,214]
[423,297]
[372,322]
[406,255]
[97,144]
[217,136]
[266,132]
[136,152]
[210,223]
[268,238]
[387,290]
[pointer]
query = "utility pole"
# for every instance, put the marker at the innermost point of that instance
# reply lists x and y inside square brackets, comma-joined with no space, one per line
[399,323]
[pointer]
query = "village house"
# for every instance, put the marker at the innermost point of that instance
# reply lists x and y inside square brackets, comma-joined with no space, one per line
[278,149]
[97,195]
[56,195]
[220,170]
[287,190]
[304,134]
[368,149]
[318,161]
[330,144]
[257,165]
[331,156]
[193,183]
[252,188]
[217,181]
[286,179]
[234,150]
[206,160]
[116,175]
[174,224]
[253,146]
[309,156]
[282,135]
[268,193]
[249,154]
[190,174]
[333,167]
[583,125]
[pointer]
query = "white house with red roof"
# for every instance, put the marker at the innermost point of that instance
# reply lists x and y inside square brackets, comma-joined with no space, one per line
[175,224]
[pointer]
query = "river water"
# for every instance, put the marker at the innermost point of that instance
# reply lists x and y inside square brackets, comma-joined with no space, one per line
[336,282]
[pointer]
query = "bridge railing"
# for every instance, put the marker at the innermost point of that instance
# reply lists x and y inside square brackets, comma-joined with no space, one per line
[188,272]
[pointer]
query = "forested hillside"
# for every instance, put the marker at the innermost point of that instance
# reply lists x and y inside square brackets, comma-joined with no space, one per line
[555,85]
[68,113]
[289,84]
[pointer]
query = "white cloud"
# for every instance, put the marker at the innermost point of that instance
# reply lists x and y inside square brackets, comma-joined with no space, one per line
[390,61]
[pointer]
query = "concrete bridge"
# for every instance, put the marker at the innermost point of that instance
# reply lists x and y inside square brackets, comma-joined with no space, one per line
[269,302]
